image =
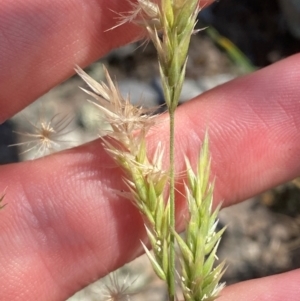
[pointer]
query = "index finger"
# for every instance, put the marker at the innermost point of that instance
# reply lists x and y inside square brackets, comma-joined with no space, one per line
[42,41]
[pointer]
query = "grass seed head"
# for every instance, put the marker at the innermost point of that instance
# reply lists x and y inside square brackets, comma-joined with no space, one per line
[128,123]
[46,135]
[118,289]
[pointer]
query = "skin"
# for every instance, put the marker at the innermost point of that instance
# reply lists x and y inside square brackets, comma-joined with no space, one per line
[64,226]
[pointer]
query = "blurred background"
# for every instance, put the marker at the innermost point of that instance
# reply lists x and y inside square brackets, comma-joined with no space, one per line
[263,235]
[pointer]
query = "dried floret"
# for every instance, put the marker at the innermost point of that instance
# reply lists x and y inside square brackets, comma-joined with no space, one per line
[46,135]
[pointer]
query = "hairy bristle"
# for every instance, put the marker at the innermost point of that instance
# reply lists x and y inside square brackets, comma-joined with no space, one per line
[45,135]
[118,288]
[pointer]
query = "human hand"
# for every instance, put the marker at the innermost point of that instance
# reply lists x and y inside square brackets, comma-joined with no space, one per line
[63,226]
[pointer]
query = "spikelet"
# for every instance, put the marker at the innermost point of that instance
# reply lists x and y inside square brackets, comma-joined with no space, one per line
[140,11]
[128,123]
[199,277]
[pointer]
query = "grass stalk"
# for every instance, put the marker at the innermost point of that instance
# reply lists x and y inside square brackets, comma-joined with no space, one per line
[172,208]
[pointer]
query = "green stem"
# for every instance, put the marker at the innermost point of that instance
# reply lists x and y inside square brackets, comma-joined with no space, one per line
[172,208]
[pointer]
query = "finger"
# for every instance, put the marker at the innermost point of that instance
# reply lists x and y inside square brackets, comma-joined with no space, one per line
[254,130]
[273,288]
[64,210]
[42,41]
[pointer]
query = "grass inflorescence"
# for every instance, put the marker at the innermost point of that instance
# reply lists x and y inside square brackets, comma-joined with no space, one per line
[169,25]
